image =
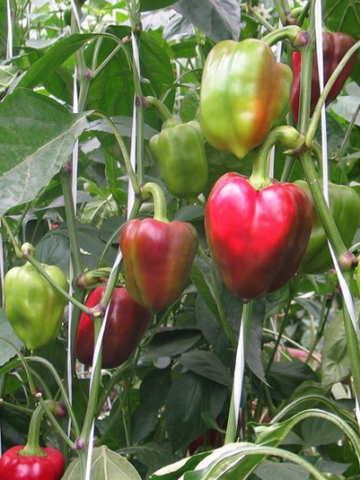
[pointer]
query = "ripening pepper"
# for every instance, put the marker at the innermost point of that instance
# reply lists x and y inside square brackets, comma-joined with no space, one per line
[32,305]
[126,324]
[179,149]
[257,238]
[244,93]
[335,46]
[345,209]
[157,259]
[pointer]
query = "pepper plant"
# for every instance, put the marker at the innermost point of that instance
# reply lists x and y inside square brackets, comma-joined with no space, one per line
[180,238]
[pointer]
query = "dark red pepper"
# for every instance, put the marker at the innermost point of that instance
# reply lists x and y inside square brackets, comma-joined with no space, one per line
[335,47]
[257,238]
[126,324]
[157,258]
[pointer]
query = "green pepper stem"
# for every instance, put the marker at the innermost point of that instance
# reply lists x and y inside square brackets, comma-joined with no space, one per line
[310,135]
[156,192]
[232,426]
[322,208]
[95,387]
[255,13]
[13,240]
[123,149]
[32,447]
[305,11]
[38,266]
[281,11]
[293,33]
[162,110]
[288,137]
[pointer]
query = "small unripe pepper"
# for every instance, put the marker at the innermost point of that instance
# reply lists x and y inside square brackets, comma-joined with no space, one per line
[179,149]
[32,305]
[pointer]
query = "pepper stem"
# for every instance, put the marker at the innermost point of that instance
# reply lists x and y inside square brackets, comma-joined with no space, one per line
[294,33]
[288,137]
[32,447]
[157,193]
[162,110]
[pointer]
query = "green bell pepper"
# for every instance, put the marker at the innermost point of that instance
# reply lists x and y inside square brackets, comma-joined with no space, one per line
[179,149]
[345,209]
[33,306]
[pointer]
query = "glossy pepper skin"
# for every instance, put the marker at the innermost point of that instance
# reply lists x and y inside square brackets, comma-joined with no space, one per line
[126,324]
[335,46]
[32,306]
[345,209]
[179,149]
[14,466]
[256,238]
[157,258]
[244,93]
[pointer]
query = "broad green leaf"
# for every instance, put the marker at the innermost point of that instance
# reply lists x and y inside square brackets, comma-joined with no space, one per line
[171,342]
[7,333]
[37,136]
[317,432]
[106,465]
[54,250]
[175,470]
[189,397]
[153,455]
[208,365]
[335,361]
[147,5]
[200,276]
[342,16]
[286,376]
[218,19]
[254,346]
[280,471]
[54,58]
[189,106]
[7,76]
[153,391]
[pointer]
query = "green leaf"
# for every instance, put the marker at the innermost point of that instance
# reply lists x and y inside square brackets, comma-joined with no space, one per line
[286,376]
[254,347]
[208,365]
[147,5]
[153,455]
[7,333]
[54,58]
[200,276]
[188,398]
[189,106]
[54,250]
[280,471]
[317,431]
[335,361]
[153,391]
[342,16]
[171,342]
[7,76]
[106,465]
[37,136]
[218,19]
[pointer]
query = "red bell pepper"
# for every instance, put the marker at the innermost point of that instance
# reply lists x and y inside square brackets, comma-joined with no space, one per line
[257,238]
[157,258]
[49,466]
[157,255]
[335,46]
[31,462]
[126,324]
